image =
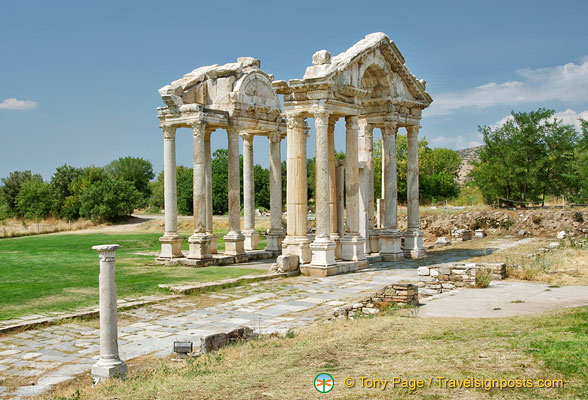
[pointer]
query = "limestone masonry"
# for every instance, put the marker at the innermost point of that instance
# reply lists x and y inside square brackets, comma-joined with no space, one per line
[369,86]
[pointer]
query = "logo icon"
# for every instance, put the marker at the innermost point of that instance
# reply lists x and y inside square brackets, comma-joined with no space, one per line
[324,383]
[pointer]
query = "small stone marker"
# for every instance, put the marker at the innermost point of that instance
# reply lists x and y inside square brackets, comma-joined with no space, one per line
[109,365]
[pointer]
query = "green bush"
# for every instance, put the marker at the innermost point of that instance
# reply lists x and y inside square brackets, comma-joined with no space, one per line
[109,200]
[34,199]
[11,187]
[483,278]
[136,170]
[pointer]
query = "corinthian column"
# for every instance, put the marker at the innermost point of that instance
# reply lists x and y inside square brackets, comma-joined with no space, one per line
[275,234]
[234,239]
[413,237]
[352,243]
[296,243]
[390,238]
[251,235]
[366,161]
[171,242]
[333,188]
[209,224]
[199,241]
[323,248]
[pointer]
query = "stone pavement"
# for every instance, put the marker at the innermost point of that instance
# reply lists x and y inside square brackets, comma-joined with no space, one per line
[32,361]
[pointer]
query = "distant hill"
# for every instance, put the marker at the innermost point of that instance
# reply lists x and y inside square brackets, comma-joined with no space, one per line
[468,157]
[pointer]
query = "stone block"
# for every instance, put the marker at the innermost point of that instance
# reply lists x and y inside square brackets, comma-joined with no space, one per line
[423,271]
[434,272]
[213,342]
[442,241]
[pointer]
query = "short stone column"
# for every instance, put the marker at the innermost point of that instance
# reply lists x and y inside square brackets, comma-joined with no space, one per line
[171,242]
[275,235]
[366,161]
[333,188]
[352,243]
[323,248]
[390,238]
[109,365]
[251,235]
[413,237]
[296,242]
[234,239]
[199,241]
[212,245]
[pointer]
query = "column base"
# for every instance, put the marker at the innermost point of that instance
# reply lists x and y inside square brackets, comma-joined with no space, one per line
[413,244]
[335,238]
[109,368]
[234,244]
[212,245]
[274,240]
[375,240]
[251,239]
[171,247]
[352,248]
[297,246]
[323,252]
[199,246]
[390,245]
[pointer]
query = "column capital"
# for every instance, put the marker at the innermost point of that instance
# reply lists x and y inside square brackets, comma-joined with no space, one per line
[366,128]
[198,128]
[274,136]
[412,130]
[321,118]
[169,132]
[294,121]
[247,137]
[390,127]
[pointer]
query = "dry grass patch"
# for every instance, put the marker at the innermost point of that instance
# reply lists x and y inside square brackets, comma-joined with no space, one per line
[382,347]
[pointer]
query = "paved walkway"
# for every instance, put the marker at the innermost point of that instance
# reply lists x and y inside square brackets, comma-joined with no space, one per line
[32,361]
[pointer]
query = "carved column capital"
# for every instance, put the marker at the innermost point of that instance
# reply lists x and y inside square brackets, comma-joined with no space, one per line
[390,127]
[247,137]
[412,130]
[295,121]
[198,128]
[169,132]
[274,136]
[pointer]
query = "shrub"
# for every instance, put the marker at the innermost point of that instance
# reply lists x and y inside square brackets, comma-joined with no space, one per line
[483,278]
[11,187]
[109,200]
[34,199]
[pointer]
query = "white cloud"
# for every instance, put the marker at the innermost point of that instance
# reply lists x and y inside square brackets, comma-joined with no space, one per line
[569,117]
[568,83]
[15,104]
[456,142]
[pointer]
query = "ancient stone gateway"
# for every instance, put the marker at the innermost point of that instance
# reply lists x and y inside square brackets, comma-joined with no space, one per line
[370,87]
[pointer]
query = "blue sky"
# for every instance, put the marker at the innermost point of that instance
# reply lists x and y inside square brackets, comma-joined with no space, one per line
[79,80]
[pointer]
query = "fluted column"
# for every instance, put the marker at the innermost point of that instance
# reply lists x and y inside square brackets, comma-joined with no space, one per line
[296,243]
[413,237]
[234,239]
[323,248]
[275,235]
[352,243]
[390,238]
[251,235]
[199,241]
[366,160]
[333,188]
[209,224]
[171,242]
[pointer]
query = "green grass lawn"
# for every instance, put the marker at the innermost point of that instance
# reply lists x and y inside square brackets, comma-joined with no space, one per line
[40,274]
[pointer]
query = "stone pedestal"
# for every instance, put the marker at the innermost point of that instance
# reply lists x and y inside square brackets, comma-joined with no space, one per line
[171,247]
[109,365]
[274,240]
[352,248]
[413,244]
[199,246]
[251,239]
[297,246]
[234,244]
[390,245]
[374,240]
[323,253]
[337,239]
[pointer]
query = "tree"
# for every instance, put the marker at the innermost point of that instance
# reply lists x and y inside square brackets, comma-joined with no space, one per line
[136,170]
[185,190]
[34,199]
[61,187]
[88,177]
[262,188]
[220,181]
[531,155]
[109,200]
[11,187]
